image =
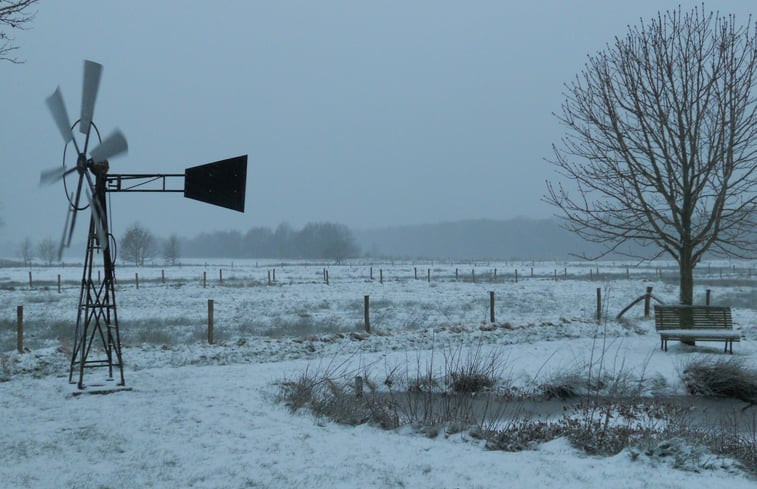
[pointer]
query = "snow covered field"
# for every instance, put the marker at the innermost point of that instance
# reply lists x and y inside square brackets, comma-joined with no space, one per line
[205,416]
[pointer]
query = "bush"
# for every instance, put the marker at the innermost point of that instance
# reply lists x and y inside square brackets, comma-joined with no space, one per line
[720,378]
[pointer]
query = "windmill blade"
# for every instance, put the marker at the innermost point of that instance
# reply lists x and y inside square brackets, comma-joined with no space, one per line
[98,217]
[75,207]
[69,211]
[52,175]
[58,110]
[92,72]
[113,145]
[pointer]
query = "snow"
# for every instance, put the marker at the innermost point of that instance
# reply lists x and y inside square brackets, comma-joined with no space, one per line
[205,416]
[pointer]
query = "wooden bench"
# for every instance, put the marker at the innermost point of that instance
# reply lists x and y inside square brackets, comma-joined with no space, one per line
[694,323]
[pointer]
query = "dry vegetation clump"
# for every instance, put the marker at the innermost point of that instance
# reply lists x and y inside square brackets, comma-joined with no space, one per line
[328,395]
[473,370]
[720,378]
[595,427]
[522,434]
[731,442]
[564,386]
[610,418]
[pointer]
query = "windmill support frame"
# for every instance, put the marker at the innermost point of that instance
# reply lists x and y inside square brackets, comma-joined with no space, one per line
[97,315]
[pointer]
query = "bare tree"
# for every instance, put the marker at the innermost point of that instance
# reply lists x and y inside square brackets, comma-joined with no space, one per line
[137,244]
[26,251]
[47,251]
[14,14]
[661,141]
[171,250]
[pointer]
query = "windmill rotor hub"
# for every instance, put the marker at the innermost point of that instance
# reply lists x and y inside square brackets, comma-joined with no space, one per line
[101,168]
[81,163]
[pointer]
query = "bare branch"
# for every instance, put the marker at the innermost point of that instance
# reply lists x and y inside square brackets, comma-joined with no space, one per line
[661,140]
[14,15]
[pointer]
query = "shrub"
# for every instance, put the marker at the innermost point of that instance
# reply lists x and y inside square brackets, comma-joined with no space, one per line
[720,378]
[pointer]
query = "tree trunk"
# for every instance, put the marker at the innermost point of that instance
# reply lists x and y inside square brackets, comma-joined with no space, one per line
[686,271]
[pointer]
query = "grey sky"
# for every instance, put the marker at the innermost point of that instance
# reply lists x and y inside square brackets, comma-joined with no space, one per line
[364,113]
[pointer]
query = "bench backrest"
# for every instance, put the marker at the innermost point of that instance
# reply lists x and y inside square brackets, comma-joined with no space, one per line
[692,317]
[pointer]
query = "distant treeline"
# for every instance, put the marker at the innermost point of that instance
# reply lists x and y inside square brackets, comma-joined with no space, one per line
[518,238]
[323,240]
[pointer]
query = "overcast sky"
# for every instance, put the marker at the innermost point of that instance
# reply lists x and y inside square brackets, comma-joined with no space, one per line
[364,113]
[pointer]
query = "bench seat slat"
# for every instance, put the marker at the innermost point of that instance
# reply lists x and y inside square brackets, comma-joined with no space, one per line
[700,333]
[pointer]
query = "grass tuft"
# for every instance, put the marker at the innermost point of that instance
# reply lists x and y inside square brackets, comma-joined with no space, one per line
[720,378]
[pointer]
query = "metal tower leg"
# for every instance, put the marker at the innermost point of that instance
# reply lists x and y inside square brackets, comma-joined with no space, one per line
[97,317]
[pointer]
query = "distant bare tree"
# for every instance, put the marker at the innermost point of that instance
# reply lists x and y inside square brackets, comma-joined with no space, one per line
[171,250]
[47,251]
[26,251]
[14,14]
[326,240]
[662,141]
[137,244]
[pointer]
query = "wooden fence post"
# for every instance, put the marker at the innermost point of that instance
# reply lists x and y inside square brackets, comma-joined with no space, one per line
[495,274]
[358,386]
[162,276]
[647,301]
[220,276]
[565,273]
[555,275]
[274,275]
[327,277]
[456,274]
[473,275]
[599,304]
[210,321]
[707,297]
[269,277]
[204,279]
[371,273]
[415,272]
[30,279]
[367,313]
[516,275]
[20,328]
[428,273]
[381,275]
[628,274]
[136,279]
[59,283]
[491,306]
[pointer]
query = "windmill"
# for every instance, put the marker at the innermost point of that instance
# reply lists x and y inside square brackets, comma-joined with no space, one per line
[97,339]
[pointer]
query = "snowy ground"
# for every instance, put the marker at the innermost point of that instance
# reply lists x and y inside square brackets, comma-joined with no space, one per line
[204,416]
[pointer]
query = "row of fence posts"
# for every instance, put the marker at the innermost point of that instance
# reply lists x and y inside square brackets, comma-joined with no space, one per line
[366,313]
[272,276]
